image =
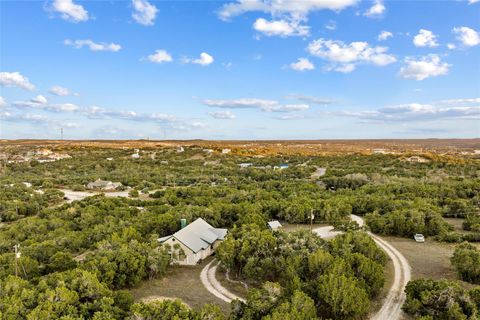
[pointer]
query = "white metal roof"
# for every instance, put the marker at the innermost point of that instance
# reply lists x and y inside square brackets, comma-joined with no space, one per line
[274,224]
[197,235]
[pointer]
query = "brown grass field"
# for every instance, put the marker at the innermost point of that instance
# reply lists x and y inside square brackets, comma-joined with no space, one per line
[309,147]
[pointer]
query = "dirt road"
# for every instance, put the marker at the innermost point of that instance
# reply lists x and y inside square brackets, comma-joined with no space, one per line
[210,282]
[391,308]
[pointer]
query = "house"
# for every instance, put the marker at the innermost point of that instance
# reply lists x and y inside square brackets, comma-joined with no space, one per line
[281,167]
[417,159]
[104,185]
[245,165]
[194,242]
[274,225]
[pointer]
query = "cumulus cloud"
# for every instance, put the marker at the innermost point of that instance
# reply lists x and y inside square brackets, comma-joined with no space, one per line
[15,79]
[425,38]
[41,103]
[222,115]
[70,11]
[423,68]
[282,28]
[416,112]
[144,12]
[376,10]
[93,46]
[253,103]
[309,99]
[204,60]
[331,25]
[345,57]
[3,102]
[292,8]
[61,91]
[160,56]
[303,64]
[467,36]
[384,35]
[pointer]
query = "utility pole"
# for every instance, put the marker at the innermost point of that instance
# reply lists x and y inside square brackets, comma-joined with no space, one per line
[17,256]
[311,221]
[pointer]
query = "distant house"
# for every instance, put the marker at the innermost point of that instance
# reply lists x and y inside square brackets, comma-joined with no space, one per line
[245,165]
[180,149]
[281,167]
[104,185]
[274,225]
[226,151]
[194,242]
[417,159]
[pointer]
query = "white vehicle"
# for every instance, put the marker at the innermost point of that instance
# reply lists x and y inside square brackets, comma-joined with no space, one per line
[419,237]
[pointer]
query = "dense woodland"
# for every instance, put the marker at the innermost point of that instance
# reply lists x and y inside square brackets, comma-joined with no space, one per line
[78,259]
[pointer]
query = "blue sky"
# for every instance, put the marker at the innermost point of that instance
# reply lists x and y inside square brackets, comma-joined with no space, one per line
[317,69]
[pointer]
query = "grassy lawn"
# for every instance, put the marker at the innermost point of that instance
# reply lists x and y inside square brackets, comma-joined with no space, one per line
[428,260]
[182,282]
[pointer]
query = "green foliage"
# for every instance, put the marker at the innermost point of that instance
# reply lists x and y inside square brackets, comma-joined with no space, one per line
[440,299]
[466,259]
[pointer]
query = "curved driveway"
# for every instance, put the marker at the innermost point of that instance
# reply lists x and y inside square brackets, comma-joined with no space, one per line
[391,308]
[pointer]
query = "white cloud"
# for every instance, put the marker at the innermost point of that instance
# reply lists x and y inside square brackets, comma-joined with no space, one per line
[222,115]
[309,99]
[416,112]
[331,25]
[467,36]
[473,1]
[93,46]
[290,117]
[425,67]
[292,8]
[39,99]
[144,12]
[160,56]
[451,46]
[3,102]
[384,35]
[282,28]
[376,10]
[61,91]
[64,107]
[15,79]
[425,38]
[303,64]
[253,103]
[70,11]
[345,56]
[204,60]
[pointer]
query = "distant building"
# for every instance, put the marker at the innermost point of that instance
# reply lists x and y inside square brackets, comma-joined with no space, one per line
[274,225]
[109,159]
[226,151]
[281,167]
[17,159]
[104,185]
[417,159]
[194,242]
[180,149]
[245,165]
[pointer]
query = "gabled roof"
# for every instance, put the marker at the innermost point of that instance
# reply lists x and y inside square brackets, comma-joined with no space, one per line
[197,235]
[274,224]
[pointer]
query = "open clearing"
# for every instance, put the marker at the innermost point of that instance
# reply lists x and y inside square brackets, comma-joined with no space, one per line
[182,282]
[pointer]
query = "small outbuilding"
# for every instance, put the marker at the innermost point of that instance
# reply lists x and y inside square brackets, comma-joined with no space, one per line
[274,225]
[194,242]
